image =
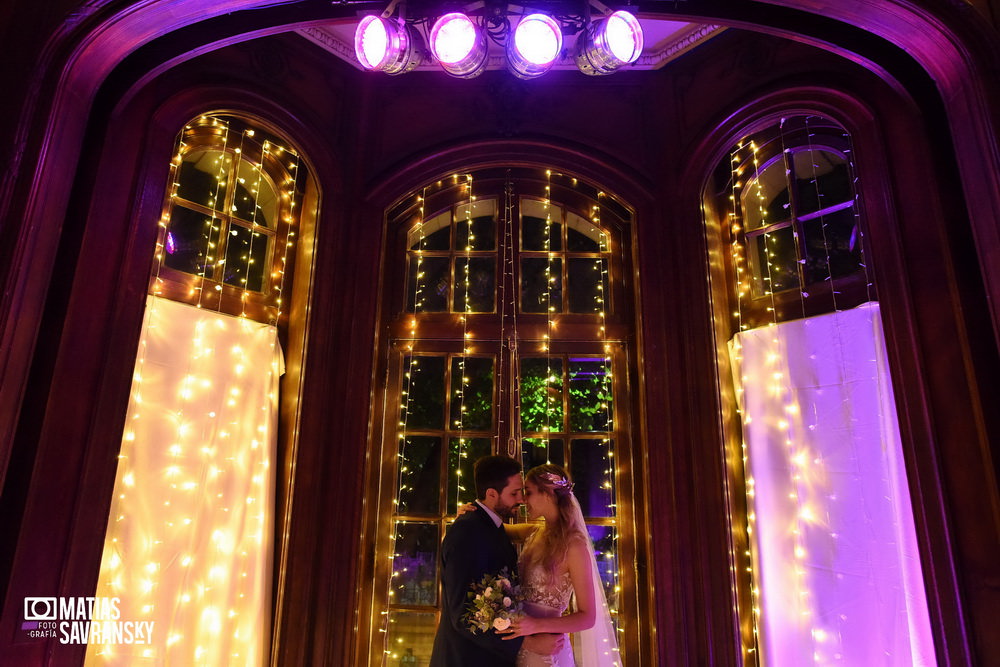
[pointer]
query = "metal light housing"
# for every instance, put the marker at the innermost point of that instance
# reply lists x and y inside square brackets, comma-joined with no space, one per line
[459,45]
[384,45]
[609,44]
[534,46]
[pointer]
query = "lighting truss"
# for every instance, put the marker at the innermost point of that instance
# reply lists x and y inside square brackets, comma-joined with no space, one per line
[533,41]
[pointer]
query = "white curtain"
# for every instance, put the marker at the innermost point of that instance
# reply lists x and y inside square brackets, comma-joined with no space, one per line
[189,543]
[833,543]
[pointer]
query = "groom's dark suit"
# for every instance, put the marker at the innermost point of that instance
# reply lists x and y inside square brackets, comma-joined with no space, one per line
[473,547]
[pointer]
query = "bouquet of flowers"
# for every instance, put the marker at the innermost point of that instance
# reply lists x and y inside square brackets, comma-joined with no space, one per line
[493,603]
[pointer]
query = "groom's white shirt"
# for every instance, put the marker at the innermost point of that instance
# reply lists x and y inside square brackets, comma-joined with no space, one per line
[493,515]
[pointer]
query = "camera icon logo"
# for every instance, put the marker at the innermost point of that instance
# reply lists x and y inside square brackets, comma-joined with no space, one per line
[40,609]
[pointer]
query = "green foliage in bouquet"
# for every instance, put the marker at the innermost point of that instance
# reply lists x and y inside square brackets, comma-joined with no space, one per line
[493,603]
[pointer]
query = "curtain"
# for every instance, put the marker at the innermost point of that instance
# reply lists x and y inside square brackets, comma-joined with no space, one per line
[189,538]
[836,565]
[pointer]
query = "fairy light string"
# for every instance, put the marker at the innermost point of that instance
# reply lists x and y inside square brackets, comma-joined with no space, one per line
[215,224]
[470,246]
[606,397]
[809,505]
[292,188]
[741,276]
[409,386]
[549,318]
[217,437]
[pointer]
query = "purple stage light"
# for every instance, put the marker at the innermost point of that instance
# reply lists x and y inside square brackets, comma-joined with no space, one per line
[459,45]
[609,43]
[387,46]
[535,46]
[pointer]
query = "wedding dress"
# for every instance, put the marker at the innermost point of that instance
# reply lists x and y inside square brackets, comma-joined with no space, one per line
[547,597]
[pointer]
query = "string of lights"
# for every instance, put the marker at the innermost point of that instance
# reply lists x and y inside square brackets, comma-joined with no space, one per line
[809,506]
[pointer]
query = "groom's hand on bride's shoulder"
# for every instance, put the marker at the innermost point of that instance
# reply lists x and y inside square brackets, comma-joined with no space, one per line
[545,643]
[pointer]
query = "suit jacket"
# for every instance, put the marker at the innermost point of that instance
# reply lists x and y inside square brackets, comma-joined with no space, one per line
[473,547]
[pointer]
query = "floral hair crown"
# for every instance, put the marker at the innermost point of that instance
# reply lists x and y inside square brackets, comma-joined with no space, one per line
[557,481]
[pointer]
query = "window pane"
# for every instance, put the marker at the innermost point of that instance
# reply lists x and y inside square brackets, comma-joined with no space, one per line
[587,284]
[582,236]
[461,480]
[423,405]
[254,199]
[541,285]
[411,638]
[202,177]
[821,180]
[474,292]
[577,242]
[419,475]
[472,393]
[775,261]
[434,234]
[533,234]
[484,235]
[536,451]
[541,394]
[415,564]
[835,236]
[590,403]
[187,241]
[246,258]
[592,473]
[430,287]
[765,200]
[603,538]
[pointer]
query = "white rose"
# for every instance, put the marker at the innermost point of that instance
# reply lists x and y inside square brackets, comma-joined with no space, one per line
[506,602]
[488,592]
[501,624]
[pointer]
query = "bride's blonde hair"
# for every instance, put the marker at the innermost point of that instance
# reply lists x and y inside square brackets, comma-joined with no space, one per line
[548,545]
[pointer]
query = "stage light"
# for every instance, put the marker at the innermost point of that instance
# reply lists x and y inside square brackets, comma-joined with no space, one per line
[384,45]
[459,45]
[609,43]
[535,46]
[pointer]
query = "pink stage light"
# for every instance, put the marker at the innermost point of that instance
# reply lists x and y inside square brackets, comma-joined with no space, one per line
[609,44]
[535,46]
[459,45]
[387,46]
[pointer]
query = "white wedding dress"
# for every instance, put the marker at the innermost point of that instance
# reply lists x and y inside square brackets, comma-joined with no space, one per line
[545,598]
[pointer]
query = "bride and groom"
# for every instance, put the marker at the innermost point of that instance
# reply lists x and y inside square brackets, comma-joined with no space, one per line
[557,562]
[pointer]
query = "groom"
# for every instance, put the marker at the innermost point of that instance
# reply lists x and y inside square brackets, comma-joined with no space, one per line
[474,546]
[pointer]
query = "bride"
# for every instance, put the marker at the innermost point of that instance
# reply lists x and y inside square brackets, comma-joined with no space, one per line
[558,561]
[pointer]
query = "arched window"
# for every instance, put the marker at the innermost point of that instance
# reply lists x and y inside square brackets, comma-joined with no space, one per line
[509,321]
[228,220]
[190,539]
[795,229]
[824,547]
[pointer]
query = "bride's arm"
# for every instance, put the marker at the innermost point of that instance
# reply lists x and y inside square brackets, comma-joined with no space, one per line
[517,532]
[579,561]
[520,532]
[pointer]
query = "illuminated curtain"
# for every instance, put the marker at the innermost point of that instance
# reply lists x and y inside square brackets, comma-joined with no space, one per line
[835,556]
[189,537]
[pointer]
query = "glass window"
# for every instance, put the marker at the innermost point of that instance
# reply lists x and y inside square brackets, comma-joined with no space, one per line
[461,278]
[228,218]
[490,279]
[795,233]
